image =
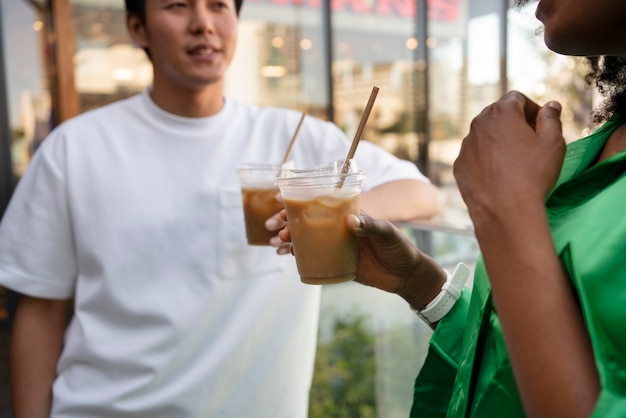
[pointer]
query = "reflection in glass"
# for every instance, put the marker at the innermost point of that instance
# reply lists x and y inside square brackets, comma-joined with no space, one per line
[28,95]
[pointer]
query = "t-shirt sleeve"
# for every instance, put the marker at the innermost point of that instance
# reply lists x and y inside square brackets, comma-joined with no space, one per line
[36,243]
[435,381]
[379,165]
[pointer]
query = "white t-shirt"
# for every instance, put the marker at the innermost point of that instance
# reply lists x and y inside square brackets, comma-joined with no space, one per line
[136,213]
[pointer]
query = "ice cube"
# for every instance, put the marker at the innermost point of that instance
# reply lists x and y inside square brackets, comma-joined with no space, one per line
[329,201]
[320,213]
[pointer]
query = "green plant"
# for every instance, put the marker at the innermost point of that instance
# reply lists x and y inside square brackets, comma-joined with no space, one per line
[344,381]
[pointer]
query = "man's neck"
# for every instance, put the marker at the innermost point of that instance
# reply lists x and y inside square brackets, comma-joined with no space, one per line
[191,103]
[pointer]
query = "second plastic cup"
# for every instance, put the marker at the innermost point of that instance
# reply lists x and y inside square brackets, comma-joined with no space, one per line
[258,192]
[317,202]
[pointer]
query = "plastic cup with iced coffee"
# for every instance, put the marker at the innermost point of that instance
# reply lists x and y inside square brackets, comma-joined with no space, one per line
[317,202]
[258,193]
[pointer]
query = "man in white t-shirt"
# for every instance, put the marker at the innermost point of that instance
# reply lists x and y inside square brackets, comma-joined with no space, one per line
[132,212]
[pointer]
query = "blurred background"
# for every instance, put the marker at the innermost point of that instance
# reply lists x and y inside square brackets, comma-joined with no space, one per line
[437,64]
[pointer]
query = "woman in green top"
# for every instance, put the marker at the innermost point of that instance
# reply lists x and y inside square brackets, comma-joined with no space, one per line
[542,333]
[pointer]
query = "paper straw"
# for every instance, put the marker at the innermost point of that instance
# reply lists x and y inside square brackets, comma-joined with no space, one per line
[293,139]
[360,128]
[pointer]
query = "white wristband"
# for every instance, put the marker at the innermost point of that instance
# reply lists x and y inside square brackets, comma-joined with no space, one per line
[445,300]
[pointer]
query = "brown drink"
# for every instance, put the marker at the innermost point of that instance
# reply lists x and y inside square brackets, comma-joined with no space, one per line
[325,251]
[317,202]
[258,193]
[258,205]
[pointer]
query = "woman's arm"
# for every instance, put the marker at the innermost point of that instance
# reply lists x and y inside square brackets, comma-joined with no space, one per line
[508,163]
[36,343]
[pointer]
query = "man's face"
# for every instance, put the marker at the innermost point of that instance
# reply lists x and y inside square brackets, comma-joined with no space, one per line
[191,42]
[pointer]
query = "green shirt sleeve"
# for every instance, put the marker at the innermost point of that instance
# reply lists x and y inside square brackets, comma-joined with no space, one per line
[610,405]
[434,383]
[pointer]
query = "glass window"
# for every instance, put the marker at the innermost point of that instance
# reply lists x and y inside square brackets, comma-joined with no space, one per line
[280,58]
[29,101]
[108,67]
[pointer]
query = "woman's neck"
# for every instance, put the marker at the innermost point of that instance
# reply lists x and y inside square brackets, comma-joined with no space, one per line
[615,143]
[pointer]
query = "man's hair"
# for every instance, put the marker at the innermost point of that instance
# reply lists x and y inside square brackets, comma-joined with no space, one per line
[138,7]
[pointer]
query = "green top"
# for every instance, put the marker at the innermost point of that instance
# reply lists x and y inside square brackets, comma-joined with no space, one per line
[467,371]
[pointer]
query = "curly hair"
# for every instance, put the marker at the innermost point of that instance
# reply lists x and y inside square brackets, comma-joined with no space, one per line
[608,74]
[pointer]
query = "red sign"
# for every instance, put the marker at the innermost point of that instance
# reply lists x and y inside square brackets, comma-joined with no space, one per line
[440,10]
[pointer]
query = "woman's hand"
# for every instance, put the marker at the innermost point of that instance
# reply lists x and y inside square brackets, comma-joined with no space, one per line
[387,257]
[511,157]
[388,260]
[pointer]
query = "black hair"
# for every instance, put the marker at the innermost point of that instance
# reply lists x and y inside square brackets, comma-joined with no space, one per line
[138,7]
[608,74]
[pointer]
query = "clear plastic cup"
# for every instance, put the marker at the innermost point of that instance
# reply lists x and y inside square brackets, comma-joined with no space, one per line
[317,202]
[258,193]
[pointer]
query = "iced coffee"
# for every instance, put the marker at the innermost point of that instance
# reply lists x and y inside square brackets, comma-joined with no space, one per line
[259,204]
[316,206]
[258,193]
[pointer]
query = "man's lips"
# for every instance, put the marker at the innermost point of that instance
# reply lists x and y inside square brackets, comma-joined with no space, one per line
[202,50]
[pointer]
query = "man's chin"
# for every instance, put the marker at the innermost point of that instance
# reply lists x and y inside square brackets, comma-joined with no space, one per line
[206,80]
